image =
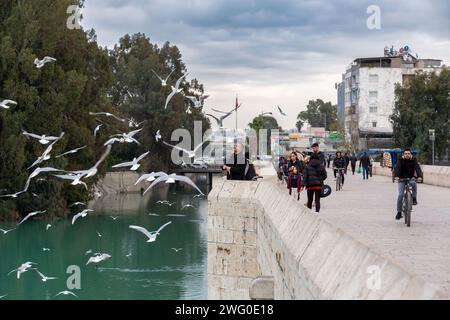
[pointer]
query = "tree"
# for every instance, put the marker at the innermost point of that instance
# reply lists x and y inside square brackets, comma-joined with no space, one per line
[319,114]
[420,105]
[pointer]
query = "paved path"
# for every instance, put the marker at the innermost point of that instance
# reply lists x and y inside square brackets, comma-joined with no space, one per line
[366,211]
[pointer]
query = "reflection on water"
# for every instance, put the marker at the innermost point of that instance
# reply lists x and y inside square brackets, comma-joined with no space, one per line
[137,269]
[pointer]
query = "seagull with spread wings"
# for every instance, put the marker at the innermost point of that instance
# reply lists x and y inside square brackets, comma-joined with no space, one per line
[40,63]
[106,114]
[190,154]
[171,179]
[198,102]
[71,152]
[151,235]
[6,104]
[150,177]
[31,214]
[134,164]
[81,214]
[175,90]
[281,111]
[220,119]
[163,81]
[46,155]
[43,139]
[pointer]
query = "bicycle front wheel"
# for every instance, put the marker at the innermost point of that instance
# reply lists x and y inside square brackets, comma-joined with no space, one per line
[408,208]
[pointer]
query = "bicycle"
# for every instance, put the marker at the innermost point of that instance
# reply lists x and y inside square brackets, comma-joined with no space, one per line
[407,201]
[339,178]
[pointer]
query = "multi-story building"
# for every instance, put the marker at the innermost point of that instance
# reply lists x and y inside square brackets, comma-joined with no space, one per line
[366,95]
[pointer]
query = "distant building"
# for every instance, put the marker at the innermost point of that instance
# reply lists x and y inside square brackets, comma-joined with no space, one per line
[366,95]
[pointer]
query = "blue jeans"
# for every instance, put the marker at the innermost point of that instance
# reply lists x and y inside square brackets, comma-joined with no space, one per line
[401,193]
[365,172]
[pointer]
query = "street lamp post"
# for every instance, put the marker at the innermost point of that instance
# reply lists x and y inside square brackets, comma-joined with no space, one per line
[432,133]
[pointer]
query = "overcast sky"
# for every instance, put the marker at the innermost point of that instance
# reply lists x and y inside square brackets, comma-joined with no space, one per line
[282,52]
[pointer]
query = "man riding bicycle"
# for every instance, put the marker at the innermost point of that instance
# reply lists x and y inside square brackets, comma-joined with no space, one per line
[407,168]
[339,163]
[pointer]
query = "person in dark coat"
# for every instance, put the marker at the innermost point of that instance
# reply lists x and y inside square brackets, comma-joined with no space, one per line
[316,149]
[347,161]
[295,182]
[313,177]
[295,162]
[407,168]
[339,163]
[353,160]
[236,165]
[364,163]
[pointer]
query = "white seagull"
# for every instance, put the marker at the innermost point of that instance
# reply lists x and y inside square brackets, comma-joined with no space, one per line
[40,63]
[163,81]
[175,90]
[96,129]
[150,176]
[220,119]
[48,227]
[78,204]
[76,179]
[93,171]
[281,111]
[22,268]
[44,278]
[158,136]
[151,235]
[123,138]
[177,249]
[43,139]
[190,154]
[31,214]
[171,179]
[187,206]
[5,104]
[6,231]
[106,114]
[3,296]
[66,293]
[198,102]
[46,249]
[81,214]
[46,155]
[71,152]
[99,234]
[98,258]
[114,218]
[134,164]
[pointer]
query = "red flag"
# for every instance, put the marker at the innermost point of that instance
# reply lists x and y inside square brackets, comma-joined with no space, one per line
[237,104]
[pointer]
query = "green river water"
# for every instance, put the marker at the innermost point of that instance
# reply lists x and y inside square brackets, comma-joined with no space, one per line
[137,269]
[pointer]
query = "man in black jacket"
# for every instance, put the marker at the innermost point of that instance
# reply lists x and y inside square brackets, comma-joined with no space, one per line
[235,167]
[339,163]
[407,168]
[315,148]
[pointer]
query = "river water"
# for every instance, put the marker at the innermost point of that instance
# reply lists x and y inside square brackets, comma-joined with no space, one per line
[137,270]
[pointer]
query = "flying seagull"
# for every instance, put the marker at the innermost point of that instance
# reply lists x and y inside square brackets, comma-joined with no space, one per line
[92,171]
[175,90]
[43,139]
[133,124]
[76,179]
[98,258]
[31,214]
[46,249]
[281,111]
[177,249]
[48,227]
[44,278]
[66,293]
[22,268]
[106,114]
[96,129]
[150,176]
[150,235]
[99,234]
[187,206]
[165,202]
[114,218]
[163,81]
[78,204]
[198,102]
[81,214]
[134,164]
[171,179]
[40,63]
[158,136]
[123,137]
[220,119]
[71,152]
[6,231]
[191,154]
[5,104]
[3,296]
[46,155]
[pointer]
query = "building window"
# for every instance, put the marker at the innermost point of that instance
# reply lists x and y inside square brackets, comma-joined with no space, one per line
[373,109]
[373,78]
[374,124]
[373,94]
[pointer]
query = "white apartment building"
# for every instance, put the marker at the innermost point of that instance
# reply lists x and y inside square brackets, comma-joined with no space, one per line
[366,96]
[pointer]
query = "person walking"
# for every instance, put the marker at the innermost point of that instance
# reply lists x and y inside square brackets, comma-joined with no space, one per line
[347,161]
[364,163]
[353,160]
[339,166]
[313,177]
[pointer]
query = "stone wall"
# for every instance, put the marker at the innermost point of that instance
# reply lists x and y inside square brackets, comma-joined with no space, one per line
[433,175]
[256,229]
